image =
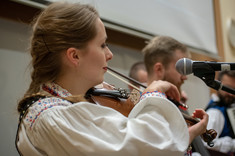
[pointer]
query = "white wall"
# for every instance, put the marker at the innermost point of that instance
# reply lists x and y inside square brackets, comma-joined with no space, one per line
[189,21]
[14,80]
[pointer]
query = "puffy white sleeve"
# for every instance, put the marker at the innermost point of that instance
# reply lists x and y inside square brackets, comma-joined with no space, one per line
[154,127]
[216,121]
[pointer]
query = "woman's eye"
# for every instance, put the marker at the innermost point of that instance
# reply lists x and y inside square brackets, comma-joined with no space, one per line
[104,45]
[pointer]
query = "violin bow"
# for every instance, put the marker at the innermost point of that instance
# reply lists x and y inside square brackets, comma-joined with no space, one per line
[116,74]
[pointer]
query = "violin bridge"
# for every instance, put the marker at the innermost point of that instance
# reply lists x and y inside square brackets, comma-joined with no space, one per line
[134,96]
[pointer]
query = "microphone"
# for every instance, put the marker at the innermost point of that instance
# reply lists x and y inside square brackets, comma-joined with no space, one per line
[205,71]
[186,66]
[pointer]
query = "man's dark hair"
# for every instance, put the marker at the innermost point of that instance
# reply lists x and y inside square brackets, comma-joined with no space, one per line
[228,73]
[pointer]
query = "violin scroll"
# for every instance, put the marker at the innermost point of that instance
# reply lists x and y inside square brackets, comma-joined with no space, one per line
[209,136]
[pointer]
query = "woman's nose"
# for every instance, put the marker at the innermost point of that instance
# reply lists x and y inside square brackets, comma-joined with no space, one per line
[109,54]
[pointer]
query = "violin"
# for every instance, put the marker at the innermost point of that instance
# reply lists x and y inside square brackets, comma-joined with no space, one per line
[118,99]
[123,102]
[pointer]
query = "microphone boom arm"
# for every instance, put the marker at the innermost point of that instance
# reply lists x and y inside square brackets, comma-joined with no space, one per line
[207,74]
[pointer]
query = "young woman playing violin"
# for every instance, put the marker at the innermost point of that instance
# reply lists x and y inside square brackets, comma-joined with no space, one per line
[69,56]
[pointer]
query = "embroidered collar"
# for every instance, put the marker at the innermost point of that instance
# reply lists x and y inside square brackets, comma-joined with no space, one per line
[38,106]
[55,90]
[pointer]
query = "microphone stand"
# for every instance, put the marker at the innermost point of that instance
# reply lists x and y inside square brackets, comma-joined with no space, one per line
[207,74]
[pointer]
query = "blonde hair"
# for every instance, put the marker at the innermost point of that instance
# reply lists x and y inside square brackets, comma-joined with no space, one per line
[161,49]
[60,26]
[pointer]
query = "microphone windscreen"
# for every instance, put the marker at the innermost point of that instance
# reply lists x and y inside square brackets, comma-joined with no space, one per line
[184,66]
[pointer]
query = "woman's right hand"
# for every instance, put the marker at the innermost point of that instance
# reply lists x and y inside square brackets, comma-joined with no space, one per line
[165,87]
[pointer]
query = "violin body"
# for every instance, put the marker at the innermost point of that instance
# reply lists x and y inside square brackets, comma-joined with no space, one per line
[119,99]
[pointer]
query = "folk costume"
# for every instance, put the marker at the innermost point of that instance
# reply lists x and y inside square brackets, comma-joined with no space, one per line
[219,121]
[54,126]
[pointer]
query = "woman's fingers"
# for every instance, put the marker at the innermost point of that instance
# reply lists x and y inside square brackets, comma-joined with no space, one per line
[164,87]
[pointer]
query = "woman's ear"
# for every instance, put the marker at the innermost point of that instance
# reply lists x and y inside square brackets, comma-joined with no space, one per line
[159,70]
[73,55]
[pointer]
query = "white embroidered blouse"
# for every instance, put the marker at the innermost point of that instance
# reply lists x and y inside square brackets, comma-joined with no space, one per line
[54,126]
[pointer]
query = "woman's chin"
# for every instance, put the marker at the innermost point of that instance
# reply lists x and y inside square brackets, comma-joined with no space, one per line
[99,82]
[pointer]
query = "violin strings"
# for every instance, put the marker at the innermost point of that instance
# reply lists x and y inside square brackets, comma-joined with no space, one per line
[114,75]
[128,78]
[119,75]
